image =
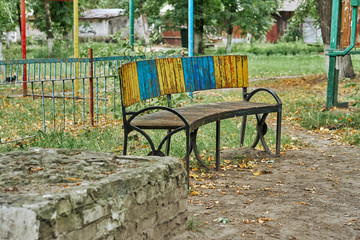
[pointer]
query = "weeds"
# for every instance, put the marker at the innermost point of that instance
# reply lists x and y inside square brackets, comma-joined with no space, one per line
[193,225]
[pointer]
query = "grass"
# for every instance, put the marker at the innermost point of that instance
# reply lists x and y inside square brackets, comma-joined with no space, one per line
[303,104]
[262,66]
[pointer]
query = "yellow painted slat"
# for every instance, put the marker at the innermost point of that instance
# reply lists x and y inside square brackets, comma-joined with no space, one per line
[161,76]
[134,85]
[217,71]
[179,74]
[239,71]
[245,71]
[233,72]
[227,71]
[170,78]
[222,71]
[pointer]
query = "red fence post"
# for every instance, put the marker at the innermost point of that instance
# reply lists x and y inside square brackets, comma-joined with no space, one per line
[23,44]
[91,87]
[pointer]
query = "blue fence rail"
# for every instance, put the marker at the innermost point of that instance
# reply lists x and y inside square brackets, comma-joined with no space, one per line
[49,87]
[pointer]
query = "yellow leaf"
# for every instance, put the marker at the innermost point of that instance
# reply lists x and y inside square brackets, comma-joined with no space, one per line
[74,179]
[258,173]
[194,193]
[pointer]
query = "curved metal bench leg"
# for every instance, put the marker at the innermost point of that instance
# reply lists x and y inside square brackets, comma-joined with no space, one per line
[257,139]
[278,133]
[242,132]
[261,129]
[167,149]
[187,156]
[126,135]
[217,163]
[194,148]
[154,152]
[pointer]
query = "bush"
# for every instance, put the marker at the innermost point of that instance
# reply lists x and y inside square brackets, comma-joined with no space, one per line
[281,48]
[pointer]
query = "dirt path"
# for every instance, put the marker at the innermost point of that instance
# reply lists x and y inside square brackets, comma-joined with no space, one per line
[311,193]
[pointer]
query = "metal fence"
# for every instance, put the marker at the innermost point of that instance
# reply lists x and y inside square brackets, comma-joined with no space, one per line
[56,94]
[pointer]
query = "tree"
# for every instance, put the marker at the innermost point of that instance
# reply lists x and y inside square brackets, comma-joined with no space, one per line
[204,12]
[345,65]
[321,11]
[252,16]
[8,18]
[49,34]
[61,16]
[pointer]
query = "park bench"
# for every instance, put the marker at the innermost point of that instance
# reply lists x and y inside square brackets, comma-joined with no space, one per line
[144,80]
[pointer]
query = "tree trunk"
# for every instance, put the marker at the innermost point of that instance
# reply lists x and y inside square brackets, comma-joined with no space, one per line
[199,23]
[49,34]
[344,64]
[229,39]
[8,39]
[19,20]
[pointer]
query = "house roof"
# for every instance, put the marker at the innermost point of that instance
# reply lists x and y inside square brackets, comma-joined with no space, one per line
[289,5]
[103,13]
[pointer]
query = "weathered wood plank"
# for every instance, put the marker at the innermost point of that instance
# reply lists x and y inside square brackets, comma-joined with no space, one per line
[148,79]
[239,72]
[346,18]
[245,71]
[179,73]
[189,74]
[131,92]
[151,78]
[198,115]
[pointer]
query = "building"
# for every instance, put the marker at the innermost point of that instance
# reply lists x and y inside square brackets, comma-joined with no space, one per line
[100,24]
[310,32]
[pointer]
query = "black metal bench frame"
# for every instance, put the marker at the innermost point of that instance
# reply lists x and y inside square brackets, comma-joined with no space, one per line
[138,121]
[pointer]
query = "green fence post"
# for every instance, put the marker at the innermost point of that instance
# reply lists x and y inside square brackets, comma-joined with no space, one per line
[131,20]
[332,72]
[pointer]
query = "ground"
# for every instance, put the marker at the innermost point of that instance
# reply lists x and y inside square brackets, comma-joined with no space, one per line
[309,193]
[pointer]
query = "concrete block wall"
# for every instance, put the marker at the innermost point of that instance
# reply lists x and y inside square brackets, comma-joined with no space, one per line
[142,198]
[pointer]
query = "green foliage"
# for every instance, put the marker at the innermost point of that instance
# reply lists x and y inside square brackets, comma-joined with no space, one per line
[281,48]
[292,48]
[252,16]
[355,94]
[61,16]
[8,15]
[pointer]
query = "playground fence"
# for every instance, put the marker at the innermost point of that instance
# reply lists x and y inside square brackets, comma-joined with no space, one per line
[70,92]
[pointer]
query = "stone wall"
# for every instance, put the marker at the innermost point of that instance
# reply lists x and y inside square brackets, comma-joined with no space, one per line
[69,194]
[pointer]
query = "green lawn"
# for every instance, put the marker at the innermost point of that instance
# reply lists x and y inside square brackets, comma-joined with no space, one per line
[303,104]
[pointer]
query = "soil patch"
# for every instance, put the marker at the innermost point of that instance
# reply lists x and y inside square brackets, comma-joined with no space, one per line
[309,193]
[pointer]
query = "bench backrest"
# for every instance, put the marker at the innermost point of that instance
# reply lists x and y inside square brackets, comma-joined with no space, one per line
[146,79]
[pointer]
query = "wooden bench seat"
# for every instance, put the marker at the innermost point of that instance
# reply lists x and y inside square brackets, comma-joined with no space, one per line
[147,79]
[199,115]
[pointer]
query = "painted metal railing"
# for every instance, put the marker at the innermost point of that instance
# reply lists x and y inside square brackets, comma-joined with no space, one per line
[50,85]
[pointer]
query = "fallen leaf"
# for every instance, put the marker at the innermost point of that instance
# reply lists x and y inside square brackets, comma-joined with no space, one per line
[194,193]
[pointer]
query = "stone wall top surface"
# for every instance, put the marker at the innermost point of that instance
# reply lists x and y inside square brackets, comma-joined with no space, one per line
[40,175]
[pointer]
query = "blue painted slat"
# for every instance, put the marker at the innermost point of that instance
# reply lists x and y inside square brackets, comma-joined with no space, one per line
[211,72]
[148,79]
[201,69]
[188,74]
[197,73]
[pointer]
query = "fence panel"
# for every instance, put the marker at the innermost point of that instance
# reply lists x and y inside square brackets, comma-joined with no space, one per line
[54,94]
